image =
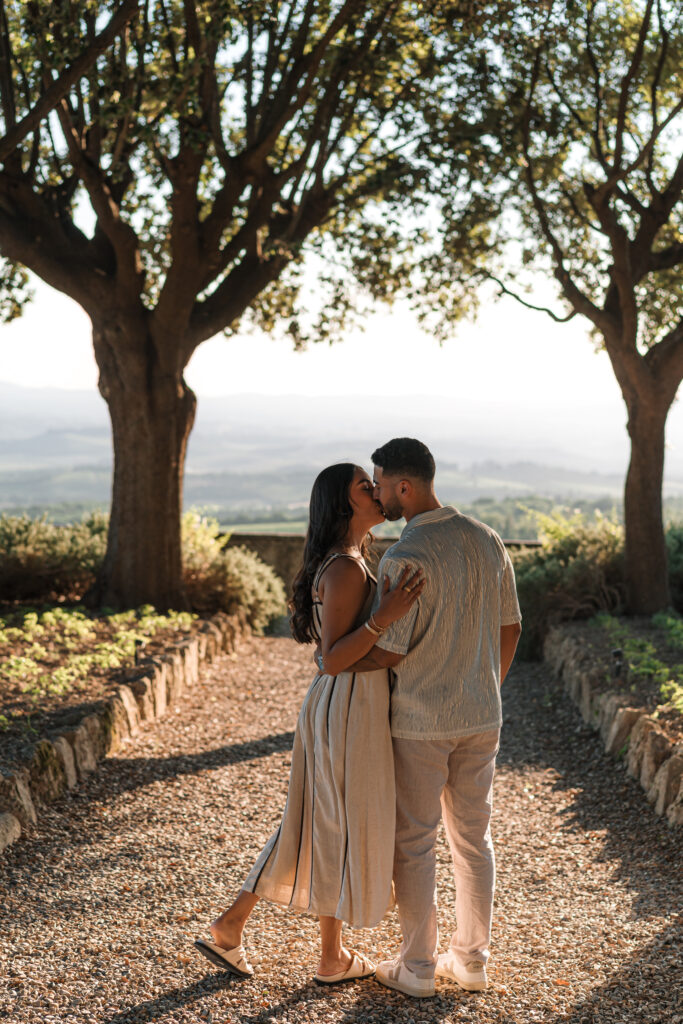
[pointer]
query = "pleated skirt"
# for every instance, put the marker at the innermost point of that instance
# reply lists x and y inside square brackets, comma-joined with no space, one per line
[333,852]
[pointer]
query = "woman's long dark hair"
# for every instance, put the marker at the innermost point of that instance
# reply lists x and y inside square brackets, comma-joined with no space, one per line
[328,519]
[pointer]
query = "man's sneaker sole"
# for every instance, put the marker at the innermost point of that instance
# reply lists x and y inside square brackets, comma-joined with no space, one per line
[468,984]
[397,986]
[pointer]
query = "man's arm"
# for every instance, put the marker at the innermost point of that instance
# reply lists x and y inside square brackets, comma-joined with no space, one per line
[509,638]
[376,658]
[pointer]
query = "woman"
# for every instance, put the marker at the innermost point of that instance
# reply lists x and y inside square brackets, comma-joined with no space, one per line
[332,854]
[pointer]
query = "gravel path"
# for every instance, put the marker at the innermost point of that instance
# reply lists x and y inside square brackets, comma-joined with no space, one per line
[100,904]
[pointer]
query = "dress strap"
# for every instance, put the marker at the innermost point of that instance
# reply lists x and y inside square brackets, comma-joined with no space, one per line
[317,603]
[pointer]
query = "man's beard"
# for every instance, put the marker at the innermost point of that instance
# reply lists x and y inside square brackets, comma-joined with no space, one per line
[392,511]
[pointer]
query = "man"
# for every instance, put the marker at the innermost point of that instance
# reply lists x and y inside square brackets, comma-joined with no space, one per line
[450,655]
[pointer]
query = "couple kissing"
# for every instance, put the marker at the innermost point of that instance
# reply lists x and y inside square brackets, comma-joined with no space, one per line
[398,730]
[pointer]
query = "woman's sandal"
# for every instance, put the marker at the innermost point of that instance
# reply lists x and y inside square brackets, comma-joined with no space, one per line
[360,967]
[232,960]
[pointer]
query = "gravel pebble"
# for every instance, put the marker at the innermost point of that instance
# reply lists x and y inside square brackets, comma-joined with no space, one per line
[101,901]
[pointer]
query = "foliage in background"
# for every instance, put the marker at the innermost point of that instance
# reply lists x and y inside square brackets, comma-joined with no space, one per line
[42,561]
[227,579]
[510,516]
[39,559]
[577,572]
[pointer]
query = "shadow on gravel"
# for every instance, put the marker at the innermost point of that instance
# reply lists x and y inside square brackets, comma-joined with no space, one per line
[127,774]
[174,999]
[373,1003]
[544,730]
[633,994]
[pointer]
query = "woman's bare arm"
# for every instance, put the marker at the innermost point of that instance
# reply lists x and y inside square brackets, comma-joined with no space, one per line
[343,590]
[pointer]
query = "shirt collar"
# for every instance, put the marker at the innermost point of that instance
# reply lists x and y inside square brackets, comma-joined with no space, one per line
[435,515]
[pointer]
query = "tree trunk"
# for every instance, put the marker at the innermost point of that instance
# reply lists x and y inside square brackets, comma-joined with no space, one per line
[152,411]
[647,575]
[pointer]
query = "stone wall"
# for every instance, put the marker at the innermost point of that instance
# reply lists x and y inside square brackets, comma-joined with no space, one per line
[627,732]
[284,551]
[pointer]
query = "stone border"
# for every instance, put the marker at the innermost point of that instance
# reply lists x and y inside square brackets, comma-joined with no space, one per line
[627,732]
[150,689]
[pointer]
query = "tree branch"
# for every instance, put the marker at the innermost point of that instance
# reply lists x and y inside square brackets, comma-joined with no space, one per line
[31,234]
[504,290]
[231,299]
[652,219]
[667,259]
[6,85]
[597,90]
[270,185]
[294,58]
[580,302]
[121,234]
[296,90]
[626,81]
[60,87]
[665,360]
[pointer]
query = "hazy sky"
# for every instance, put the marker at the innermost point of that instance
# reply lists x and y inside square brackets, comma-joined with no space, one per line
[511,363]
[509,350]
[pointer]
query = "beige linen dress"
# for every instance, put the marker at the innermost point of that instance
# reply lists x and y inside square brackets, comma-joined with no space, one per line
[333,852]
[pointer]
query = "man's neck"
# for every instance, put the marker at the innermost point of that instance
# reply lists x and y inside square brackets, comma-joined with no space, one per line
[428,504]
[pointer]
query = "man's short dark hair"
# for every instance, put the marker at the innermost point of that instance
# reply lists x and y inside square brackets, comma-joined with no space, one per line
[405,456]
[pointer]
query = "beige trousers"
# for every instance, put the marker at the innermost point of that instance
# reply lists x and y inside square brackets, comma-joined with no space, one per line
[452,779]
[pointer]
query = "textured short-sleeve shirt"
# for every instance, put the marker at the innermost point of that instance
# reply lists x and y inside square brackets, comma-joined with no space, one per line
[448,683]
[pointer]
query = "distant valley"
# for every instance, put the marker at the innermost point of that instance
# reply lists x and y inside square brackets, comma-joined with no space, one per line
[252,453]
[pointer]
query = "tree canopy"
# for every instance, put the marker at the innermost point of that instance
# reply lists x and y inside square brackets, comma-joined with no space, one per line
[228,129]
[581,181]
[181,177]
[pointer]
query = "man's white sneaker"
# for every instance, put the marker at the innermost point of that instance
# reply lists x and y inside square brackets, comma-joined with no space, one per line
[395,974]
[471,977]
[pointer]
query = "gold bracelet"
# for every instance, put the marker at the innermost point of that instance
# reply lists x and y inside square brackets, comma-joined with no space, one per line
[375,632]
[375,625]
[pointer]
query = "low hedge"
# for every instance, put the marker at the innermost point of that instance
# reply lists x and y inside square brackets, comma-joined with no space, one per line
[219,578]
[577,572]
[43,562]
[39,560]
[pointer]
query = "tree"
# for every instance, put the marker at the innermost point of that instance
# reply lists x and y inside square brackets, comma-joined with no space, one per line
[177,186]
[14,289]
[587,165]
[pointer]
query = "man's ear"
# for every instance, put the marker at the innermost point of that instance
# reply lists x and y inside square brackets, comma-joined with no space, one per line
[405,488]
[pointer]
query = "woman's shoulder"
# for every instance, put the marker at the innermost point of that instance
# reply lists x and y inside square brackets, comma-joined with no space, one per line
[339,568]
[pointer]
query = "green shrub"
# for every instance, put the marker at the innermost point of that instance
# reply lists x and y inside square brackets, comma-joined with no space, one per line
[41,560]
[226,579]
[202,541]
[577,572]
